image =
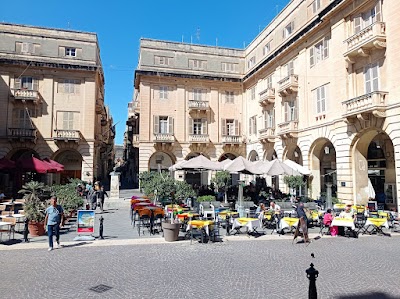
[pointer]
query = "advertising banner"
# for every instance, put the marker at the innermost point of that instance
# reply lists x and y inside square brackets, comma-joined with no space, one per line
[85,221]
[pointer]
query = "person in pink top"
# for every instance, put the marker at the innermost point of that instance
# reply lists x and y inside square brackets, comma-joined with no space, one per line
[328,218]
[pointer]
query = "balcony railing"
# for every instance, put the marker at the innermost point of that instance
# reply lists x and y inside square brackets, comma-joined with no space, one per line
[22,133]
[372,36]
[199,138]
[165,138]
[25,95]
[198,105]
[267,135]
[231,139]
[288,129]
[288,85]
[267,96]
[67,135]
[374,102]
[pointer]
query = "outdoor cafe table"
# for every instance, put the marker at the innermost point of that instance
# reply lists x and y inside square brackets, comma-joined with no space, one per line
[288,222]
[200,224]
[184,216]
[377,224]
[344,222]
[225,213]
[12,215]
[152,209]
[6,224]
[251,223]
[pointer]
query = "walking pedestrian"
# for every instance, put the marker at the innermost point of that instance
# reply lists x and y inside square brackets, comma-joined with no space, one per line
[101,196]
[54,218]
[303,221]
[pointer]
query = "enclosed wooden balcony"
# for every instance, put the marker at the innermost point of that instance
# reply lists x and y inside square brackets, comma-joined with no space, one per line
[289,129]
[288,85]
[231,140]
[67,135]
[361,43]
[163,138]
[267,96]
[374,103]
[198,105]
[267,135]
[99,106]
[204,138]
[22,134]
[21,94]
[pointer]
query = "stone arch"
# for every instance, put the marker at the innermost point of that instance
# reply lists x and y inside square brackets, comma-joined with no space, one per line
[227,155]
[19,153]
[72,161]
[161,160]
[270,154]
[192,155]
[293,153]
[253,156]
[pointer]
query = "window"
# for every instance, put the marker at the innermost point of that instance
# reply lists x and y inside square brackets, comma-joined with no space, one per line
[288,30]
[69,86]
[27,83]
[162,60]
[70,52]
[253,125]
[371,76]
[230,127]
[316,5]
[367,18]
[198,126]
[267,48]
[290,111]
[319,52]
[289,68]
[229,97]
[163,93]
[251,62]
[229,67]
[197,94]
[319,95]
[68,121]
[253,93]
[197,64]
[27,48]
[22,118]
[269,118]
[268,82]
[163,125]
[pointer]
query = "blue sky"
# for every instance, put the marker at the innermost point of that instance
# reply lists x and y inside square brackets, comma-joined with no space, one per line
[120,24]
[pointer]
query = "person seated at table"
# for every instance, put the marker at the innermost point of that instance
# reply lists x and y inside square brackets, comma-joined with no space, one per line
[276,208]
[260,208]
[328,218]
[2,195]
[348,213]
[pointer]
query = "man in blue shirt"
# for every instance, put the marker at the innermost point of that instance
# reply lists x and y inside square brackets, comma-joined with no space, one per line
[54,217]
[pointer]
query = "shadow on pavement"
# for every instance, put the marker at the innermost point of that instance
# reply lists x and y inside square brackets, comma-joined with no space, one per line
[11,242]
[76,244]
[106,237]
[375,295]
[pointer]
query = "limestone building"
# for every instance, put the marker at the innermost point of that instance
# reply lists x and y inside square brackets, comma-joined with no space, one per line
[318,86]
[52,100]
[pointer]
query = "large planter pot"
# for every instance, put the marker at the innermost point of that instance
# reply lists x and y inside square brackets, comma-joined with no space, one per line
[171,231]
[36,229]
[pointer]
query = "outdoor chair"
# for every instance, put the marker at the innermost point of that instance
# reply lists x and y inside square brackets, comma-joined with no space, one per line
[360,223]
[207,210]
[324,229]
[144,220]
[10,229]
[159,215]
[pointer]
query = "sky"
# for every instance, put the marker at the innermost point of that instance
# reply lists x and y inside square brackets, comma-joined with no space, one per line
[120,24]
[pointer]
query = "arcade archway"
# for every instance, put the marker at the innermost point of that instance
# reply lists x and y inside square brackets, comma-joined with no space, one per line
[72,161]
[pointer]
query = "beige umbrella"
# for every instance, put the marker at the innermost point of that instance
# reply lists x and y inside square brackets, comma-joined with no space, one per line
[299,168]
[242,165]
[199,162]
[276,167]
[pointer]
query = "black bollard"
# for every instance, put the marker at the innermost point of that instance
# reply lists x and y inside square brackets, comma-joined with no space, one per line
[312,275]
[101,227]
[26,231]
[227,219]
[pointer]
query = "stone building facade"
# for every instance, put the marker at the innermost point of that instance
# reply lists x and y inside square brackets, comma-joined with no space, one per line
[318,86]
[52,100]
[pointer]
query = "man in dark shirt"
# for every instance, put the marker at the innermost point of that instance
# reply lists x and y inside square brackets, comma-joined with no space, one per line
[303,221]
[100,197]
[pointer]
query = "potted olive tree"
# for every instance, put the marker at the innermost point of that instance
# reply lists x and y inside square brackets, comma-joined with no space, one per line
[34,207]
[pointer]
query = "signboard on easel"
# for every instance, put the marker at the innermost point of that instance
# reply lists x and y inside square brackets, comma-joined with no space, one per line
[85,222]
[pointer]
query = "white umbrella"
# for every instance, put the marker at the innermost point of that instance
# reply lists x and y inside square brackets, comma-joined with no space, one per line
[276,167]
[299,168]
[199,162]
[242,165]
[371,190]
[176,166]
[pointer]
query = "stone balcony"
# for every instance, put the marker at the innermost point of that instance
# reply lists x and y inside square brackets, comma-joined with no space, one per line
[289,129]
[374,103]
[99,106]
[22,134]
[267,135]
[288,85]
[198,105]
[231,140]
[267,96]
[133,107]
[67,135]
[361,43]
[26,95]
[163,138]
[193,138]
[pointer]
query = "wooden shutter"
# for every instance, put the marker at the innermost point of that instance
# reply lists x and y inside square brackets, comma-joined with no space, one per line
[223,122]
[61,51]
[378,15]
[65,121]
[357,24]
[78,52]
[31,48]
[375,78]
[236,122]
[17,83]
[25,48]
[18,47]
[204,129]
[312,62]
[367,75]
[250,127]
[290,68]
[323,98]
[191,129]
[314,6]
[170,125]
[156,124]
[326,48]
[35,84]
[77,86]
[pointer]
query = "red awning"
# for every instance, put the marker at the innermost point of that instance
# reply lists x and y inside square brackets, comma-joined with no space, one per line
[57,167]
[33,164]
[6,164]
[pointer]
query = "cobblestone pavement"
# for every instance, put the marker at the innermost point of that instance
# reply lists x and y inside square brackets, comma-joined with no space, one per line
[237,268]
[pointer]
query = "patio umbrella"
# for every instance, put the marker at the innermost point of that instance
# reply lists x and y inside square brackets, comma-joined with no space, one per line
[176,166]
[33,164]
[6,164]
[371,190]
[276,167]
[199,162]
[242,165]
[299,168]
